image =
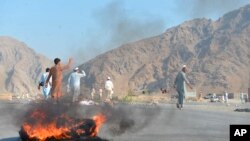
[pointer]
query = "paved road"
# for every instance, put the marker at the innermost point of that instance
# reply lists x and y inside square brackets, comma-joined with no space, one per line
[151,123]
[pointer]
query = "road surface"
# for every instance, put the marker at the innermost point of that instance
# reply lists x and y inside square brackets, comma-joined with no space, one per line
[151,123]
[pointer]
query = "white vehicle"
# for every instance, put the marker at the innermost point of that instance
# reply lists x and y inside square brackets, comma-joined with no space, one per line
[214,99]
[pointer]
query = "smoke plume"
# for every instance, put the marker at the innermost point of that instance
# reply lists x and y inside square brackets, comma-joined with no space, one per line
[129,118]
[209,8]
[114,27]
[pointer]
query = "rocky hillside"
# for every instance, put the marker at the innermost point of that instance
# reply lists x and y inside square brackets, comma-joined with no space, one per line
[20,67]
[216,53]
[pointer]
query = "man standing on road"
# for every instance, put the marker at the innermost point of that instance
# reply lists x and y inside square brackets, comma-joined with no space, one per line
[56,74]
[226,97]
[100,94]
[74,83]
[242,98]
[179,84]
[46,90]
[109,88]
[92,93]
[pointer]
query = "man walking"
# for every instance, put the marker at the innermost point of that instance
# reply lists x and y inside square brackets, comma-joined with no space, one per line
[56,74]
[109,88]
[92,93]
[242,97]
[74,83]
[226,97]
[46,90]
[100,93]
[179,84]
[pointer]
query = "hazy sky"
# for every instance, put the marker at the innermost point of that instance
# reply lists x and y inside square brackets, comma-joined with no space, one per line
[83,29]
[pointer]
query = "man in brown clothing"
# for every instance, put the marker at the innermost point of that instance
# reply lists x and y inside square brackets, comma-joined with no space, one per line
[56,73]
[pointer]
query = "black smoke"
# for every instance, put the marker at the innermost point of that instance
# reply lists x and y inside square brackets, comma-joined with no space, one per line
[208,8]
[115,27]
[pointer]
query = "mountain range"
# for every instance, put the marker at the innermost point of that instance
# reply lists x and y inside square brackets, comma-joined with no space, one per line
[20,67]
[216,54]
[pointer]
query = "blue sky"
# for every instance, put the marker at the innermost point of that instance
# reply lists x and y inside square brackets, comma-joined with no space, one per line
[83,29]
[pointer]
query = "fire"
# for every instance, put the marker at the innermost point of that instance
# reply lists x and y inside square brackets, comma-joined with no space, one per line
[42,128]
[43,132]
[99,120]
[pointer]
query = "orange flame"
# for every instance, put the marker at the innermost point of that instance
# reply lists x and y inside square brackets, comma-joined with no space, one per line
[43,130]
[99,120]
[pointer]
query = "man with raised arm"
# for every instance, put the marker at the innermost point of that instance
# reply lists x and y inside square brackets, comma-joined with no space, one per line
[74,83]
[56,74]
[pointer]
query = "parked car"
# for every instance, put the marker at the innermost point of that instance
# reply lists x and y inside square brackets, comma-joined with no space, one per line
[215,99]
[208,96]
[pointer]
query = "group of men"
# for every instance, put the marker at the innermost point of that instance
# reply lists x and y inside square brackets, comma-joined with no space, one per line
[51,81]
[109,87]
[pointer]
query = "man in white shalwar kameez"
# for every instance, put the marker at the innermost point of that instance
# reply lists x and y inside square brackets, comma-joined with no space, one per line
[74,83]
[109,86]
[46,90]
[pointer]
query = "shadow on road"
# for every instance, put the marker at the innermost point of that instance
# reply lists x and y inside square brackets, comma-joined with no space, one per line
[242,110]
[11,139]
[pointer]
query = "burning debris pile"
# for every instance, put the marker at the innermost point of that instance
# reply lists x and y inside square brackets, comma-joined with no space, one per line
[41,126]
[63,122]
